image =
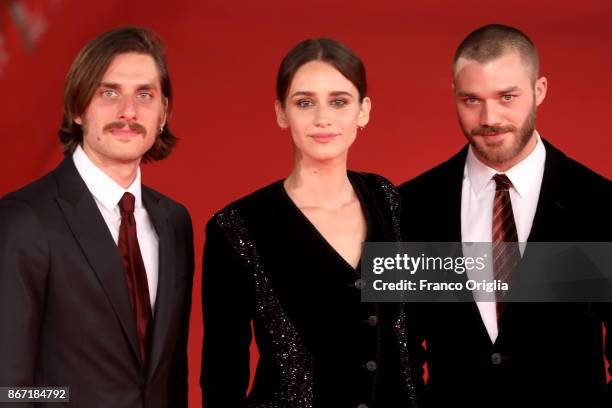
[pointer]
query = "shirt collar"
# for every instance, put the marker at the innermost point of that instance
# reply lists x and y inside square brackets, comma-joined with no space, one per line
[521,175]
[104,188]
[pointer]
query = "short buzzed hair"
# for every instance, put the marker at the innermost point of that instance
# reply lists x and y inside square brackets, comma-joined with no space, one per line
[492,41]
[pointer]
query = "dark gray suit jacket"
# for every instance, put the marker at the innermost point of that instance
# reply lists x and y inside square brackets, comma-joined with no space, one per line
[64,305]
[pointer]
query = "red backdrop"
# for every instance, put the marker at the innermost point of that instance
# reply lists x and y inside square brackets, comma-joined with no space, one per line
[223,58]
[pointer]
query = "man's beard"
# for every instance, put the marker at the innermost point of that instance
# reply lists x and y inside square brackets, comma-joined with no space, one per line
[498,153]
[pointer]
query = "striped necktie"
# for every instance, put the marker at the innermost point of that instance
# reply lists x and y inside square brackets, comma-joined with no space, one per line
[506,254]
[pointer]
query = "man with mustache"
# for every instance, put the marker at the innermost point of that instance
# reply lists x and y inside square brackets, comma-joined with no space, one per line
[507,185]
[96,269]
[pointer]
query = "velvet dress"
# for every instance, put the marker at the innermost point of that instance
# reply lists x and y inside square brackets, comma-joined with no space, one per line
[268,268]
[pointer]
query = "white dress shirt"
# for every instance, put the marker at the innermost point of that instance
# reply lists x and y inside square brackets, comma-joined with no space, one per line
[477,196]
[107,193]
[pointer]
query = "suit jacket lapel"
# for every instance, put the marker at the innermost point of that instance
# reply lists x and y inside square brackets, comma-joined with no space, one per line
[550,208]
[548,219]
[166,291]
[92,234]
[450,219]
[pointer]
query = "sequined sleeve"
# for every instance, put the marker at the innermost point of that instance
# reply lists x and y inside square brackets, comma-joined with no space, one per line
[294,363]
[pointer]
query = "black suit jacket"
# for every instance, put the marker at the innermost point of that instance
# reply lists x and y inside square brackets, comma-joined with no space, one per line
[64,305]
[546,354]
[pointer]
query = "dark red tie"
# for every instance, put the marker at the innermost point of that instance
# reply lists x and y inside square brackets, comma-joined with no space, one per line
[135,273]
[506,254]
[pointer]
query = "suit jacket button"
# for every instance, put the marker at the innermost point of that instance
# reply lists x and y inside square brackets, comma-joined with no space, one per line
[496,358]
[360,284]
[371,365]
[373,320]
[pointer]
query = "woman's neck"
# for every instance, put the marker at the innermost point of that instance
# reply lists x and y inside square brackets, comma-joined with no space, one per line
[320,184]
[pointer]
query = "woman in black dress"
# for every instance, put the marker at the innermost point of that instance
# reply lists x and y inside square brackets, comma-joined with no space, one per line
[285,259]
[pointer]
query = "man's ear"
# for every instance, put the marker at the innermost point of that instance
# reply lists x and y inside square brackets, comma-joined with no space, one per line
[541,86]
[165,116]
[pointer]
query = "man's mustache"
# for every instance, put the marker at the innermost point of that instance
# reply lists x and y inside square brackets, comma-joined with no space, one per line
[134,126]
[492,130]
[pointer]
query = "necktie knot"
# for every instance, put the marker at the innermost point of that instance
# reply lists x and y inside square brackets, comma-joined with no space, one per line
[502,182]
[126,204]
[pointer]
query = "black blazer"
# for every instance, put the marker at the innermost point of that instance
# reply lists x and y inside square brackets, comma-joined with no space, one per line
[265,264]
[546,354]
[64,305]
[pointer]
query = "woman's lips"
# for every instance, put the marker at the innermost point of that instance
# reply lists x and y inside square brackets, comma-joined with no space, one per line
[324,137]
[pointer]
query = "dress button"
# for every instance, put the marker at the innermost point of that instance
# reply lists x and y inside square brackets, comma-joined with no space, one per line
[371,365]
[373,320]
[496,358]
[362,406]
[360,284]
